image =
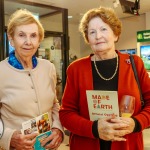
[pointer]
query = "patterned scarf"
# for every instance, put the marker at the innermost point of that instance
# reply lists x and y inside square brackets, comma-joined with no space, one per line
[13,61]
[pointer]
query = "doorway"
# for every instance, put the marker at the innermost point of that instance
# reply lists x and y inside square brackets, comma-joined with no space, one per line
[56,42]
[51,49]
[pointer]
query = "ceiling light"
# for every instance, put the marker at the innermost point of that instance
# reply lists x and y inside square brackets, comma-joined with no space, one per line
[115,3]
[69,17]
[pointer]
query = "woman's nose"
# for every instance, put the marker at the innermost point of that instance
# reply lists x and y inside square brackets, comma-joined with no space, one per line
[28,40]
[98,35]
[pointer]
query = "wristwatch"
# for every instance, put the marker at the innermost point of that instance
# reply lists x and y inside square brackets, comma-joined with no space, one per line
[1,128]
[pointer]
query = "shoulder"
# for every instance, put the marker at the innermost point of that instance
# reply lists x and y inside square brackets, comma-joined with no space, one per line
[4,63]
[124,61]
[81,62]
[137,59]
[45,63]
[46,66]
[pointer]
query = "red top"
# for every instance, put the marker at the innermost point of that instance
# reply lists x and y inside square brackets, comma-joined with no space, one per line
[74,113]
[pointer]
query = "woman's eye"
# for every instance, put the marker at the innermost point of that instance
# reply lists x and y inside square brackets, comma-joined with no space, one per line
[92,32]
[21,35]
[33,35]
[103,29]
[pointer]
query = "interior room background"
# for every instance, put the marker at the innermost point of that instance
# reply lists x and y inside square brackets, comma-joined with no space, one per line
[78,48]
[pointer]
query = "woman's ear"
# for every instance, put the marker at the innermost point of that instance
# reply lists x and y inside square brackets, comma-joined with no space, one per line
[11,40]
[116,39]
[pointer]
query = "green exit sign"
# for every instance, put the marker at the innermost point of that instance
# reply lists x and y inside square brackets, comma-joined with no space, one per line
[143,36]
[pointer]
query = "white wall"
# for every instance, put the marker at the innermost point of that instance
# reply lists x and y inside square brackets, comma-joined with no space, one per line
[148,21]
[130,26]
[50,24]
[85,48]
[74,40]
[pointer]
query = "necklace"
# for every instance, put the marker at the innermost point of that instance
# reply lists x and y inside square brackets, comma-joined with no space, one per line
[106,79]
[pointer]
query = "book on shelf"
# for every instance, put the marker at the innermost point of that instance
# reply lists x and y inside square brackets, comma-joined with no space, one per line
[40,125]
[102,104]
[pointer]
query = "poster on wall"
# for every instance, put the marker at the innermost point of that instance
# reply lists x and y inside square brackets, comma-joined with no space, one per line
[57,42]
[145,55]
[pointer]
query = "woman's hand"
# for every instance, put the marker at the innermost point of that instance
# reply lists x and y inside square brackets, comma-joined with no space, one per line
[113,128]
[129,121]
[23,142]
[55,139]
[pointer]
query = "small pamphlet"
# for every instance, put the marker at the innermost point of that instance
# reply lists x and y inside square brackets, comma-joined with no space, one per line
[102,104]
[39,138]
[40,125]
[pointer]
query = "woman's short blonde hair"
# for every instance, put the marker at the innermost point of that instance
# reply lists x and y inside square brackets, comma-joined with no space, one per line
[23,17]
[106,14]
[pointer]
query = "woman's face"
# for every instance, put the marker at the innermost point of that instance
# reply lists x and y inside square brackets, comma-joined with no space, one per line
[100,35]
[25,40]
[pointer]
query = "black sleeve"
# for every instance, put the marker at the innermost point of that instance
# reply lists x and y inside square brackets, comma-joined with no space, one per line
[95,129]
[137,127]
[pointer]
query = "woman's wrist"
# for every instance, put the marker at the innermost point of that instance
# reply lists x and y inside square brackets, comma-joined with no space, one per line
[58,132]
[14,139]
[137,127]
[95,129]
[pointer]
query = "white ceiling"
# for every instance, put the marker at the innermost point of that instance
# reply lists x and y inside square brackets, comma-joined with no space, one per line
[77,8]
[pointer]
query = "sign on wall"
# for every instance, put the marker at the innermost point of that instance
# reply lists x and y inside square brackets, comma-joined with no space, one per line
[143,36]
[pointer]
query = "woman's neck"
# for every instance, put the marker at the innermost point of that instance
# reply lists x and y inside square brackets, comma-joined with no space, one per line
[26,62]
[104,56]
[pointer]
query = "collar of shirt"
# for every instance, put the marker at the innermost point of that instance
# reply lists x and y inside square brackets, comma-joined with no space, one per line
[13,61]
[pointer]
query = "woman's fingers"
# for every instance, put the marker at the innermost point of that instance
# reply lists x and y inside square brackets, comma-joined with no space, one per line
[117,138]
[54,140]
[19,141]
[113,130]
